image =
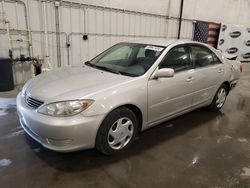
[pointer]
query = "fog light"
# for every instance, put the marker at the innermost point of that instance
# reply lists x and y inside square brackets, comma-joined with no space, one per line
[59,143]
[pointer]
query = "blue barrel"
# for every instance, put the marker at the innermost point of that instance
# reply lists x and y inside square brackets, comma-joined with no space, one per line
[6,75]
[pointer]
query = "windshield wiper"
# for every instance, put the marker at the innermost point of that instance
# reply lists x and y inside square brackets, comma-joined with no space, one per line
[89,64]
[128,74]
[102,68]
[107,69]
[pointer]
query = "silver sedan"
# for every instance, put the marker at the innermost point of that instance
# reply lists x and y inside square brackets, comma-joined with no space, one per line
[128,88]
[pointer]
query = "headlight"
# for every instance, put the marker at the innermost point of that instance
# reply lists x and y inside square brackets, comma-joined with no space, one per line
[65,108]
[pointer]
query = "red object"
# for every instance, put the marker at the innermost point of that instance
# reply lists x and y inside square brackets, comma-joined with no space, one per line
[207,32]
[213,34]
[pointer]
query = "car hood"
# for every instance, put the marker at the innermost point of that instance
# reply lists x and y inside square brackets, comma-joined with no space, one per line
[72,83]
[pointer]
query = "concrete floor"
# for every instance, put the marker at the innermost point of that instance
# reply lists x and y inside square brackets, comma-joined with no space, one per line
[199,149]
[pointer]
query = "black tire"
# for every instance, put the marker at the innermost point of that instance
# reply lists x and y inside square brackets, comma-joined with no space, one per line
[214,106]
[103,134]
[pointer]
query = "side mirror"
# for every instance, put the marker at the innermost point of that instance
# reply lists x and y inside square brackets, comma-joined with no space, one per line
[164,73]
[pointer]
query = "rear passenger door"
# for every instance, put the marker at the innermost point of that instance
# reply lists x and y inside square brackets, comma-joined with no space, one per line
[208,73]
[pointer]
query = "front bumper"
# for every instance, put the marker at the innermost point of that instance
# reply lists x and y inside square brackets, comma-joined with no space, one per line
[59,133]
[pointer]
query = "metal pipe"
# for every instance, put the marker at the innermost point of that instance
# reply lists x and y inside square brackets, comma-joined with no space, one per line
[168,15]
[193,29]
[2,31]
[46,59]
[19,40]
[6,22]
[29,31]
[9,37]
[71,49]
[180,19]
[58,42]
[27,26]
[77,5]
[26,23]
[84,21]
[52,26]
[68,45]
[17,26]
[115,35]
[80,29]
[16,32]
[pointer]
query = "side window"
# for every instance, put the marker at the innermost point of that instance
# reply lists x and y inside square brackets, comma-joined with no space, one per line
[203,57]
[177,58]
[216,59]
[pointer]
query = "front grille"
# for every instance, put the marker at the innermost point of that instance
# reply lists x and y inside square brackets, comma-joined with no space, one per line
[33,103]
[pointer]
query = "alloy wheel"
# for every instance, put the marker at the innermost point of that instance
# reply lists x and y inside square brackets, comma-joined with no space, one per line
[221,97]
[120,133]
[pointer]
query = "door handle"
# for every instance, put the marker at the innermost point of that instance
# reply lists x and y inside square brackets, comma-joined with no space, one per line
[190,78]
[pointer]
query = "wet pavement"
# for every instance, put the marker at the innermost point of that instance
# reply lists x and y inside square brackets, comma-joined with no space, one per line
[199,149]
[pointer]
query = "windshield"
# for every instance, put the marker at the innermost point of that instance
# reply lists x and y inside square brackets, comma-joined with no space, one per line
[129,59]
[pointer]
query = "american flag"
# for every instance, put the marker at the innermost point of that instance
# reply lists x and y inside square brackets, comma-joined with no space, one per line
[207,32]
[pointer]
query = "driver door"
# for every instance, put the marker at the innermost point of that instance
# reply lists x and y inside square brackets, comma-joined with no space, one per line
[169,96]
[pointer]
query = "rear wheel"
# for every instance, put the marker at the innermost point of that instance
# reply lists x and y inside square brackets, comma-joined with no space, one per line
[117,131]
[219,98]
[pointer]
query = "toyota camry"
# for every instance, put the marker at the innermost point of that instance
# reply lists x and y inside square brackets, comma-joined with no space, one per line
[105,102]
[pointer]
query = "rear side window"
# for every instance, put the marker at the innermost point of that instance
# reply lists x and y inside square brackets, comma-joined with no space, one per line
[203,57]
[177,58]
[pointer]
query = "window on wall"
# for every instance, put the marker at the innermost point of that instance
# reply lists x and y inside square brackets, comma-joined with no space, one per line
[203,57]
[178,59]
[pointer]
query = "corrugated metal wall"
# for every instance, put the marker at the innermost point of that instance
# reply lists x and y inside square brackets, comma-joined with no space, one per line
[104,27]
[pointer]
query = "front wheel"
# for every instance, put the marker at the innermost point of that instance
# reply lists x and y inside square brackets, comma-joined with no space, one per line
[219,98]
[117,131]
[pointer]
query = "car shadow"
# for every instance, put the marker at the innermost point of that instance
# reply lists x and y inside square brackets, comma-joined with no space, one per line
[89,159]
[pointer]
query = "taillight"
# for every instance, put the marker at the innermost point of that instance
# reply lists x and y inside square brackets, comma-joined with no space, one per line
[241,67]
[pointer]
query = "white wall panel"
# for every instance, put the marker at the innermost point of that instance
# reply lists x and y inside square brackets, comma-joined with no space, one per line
[99,25]
[50,14]
[38,43]
[91,17]
[187,29]
[10,13]
[104,27]
[35,15]
[66,20]
[21,72]
[75,20]
[172,28]
[106,21]
[119,23]
[230,11]
[4,51]
[156,6]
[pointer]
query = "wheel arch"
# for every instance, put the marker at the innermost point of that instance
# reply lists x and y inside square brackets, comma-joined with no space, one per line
[100,144]
[135,109]
[227,84]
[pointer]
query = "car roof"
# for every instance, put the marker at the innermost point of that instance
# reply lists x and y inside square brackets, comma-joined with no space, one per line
[163,42]
[174,42]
